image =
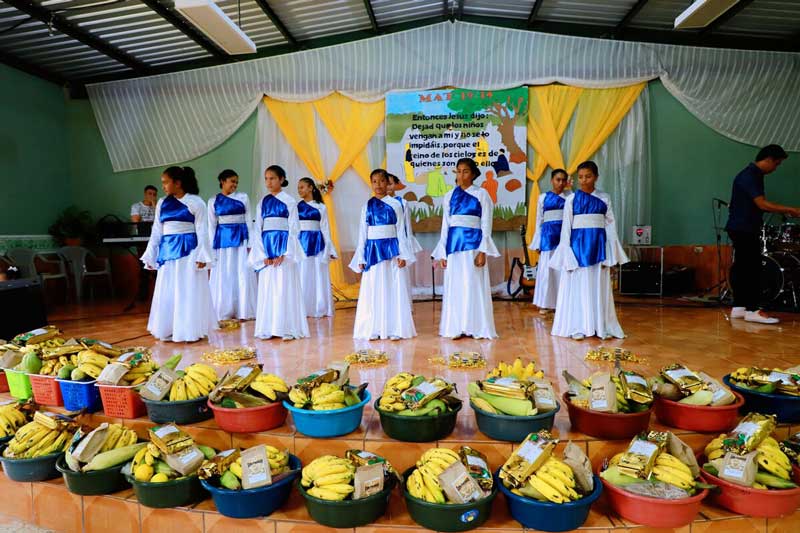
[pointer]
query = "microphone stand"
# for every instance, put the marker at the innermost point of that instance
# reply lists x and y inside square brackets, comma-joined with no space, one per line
[722,288]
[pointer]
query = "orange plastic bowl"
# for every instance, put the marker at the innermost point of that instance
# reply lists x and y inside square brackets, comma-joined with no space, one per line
[652,511]
[612,426]
[700,418]
[249,419]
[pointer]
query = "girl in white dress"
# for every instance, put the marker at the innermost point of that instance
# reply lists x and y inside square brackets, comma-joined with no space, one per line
[382,254]
[315,238]
[233,282]
[413,244]
[589,246]
[465,242]
[549,214]
[178,248]
[275,255]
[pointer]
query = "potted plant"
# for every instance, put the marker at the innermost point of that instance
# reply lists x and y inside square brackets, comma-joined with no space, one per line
[73,227]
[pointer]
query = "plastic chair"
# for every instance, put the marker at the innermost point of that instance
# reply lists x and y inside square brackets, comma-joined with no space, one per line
[76,257]
[25,260]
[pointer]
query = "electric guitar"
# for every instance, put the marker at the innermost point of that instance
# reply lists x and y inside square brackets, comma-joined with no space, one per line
[527,273]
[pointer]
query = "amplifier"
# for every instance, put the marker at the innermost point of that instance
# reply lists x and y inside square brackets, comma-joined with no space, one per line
[22,302]
[639,278]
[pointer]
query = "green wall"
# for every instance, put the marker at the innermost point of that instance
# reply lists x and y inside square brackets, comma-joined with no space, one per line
[34,156]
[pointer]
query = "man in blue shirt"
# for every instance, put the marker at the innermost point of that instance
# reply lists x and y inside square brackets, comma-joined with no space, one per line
[748,202]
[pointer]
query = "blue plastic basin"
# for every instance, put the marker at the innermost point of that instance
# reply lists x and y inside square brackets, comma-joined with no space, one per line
[252,503]
[785,408]
[325,424]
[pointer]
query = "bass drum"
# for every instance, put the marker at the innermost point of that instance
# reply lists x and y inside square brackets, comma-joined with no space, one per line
[780,274]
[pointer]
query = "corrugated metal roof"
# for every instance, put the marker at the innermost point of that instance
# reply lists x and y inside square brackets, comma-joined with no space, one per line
[604,13]
[659,14]
[388,12]
[776,18]
[310,19]
[514,9]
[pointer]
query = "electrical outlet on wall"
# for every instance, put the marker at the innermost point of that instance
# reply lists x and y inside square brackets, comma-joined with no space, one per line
[698,250]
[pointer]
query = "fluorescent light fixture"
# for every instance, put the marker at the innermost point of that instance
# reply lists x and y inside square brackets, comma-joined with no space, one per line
[207,17]
[702,13]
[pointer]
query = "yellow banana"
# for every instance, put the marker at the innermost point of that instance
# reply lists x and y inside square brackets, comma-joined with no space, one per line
[205,370]
[192,391]
[716,454]
[277,383]
[673,477]
[112,436]
[666,459]
[429,479]
[773,467]
[557,484]
[546,490]
[326,494]
[333,479]
[264,388]
[236,468]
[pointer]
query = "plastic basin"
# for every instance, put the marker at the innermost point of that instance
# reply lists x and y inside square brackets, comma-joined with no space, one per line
[547,516]
[105,481]
[79,395]
[36,469]
[700,418]
[512,428]
[121,401]
[324,424]
[348,513]
[652,511]
[3,382]
[785,408]
[176,493]
[46,390]
[182,412]
[448,517]
[251,503]
[19,384]
[749,501]
[249,419]
[796,474]
[612,426]
[418,428]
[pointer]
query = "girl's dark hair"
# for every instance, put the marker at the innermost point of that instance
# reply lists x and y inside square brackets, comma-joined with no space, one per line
[314,189]
[473,166]
[278,170]
[558,171]
[186,176]
[225,174]
[590,165]
[379,172]
[394,178]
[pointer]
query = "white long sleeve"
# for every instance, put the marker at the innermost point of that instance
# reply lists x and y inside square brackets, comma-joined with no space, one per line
[257,255]
[150,256]
[358,255]
[563,257]
[248,216]
[536,241]
[294,250]
[400,227]
[487,245]
[197,207]
[325,228]
[212,220]
[440,252]
[615,254]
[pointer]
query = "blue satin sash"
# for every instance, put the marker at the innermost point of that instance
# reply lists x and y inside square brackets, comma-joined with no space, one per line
[379,213]
[175,246]
[551,231]
[312,241]
[588,244]
[275,241]
[229,235]
[459,238]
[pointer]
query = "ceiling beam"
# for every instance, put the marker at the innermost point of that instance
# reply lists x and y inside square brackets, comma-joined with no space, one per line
[460,10]
[371,13]
[72,30]
[537,5]
[170,15]
[30,68]
[727,16]
[276,21]
[630,15]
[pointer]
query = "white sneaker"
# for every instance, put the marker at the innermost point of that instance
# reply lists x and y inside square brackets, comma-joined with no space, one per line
[760,317]
[738,312]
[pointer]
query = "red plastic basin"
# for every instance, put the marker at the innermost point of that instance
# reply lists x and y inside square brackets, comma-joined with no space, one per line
[753,502]
[652,511]
[249,419]
[700,418]
[612,426]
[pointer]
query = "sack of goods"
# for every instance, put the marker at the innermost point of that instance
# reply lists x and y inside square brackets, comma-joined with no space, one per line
[513,389]
[445,476]
[248,386]
[409,395]
[619,391]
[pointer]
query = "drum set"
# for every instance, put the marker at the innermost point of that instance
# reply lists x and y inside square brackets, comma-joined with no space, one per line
[780,265]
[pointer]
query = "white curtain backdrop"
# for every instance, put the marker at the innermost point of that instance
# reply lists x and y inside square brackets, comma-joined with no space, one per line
[750,96]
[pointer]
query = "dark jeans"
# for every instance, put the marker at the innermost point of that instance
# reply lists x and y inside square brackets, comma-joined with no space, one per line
[746,269]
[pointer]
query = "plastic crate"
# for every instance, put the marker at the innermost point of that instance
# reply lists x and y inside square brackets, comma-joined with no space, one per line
[80,395]
[121,402]
[46,390]
[19,384]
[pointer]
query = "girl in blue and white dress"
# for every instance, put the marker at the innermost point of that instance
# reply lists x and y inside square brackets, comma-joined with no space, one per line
[275,256]
[315,238]
[413,244]
[549,215]
[381,255]
[589,246]
[233,282]
[178,248]
[465,242]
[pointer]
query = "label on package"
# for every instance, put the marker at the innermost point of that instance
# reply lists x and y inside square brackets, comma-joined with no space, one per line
[157,387]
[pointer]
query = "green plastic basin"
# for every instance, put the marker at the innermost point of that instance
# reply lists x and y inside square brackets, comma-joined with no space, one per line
[106,481]
[176,493]
[418,428]
[348,513]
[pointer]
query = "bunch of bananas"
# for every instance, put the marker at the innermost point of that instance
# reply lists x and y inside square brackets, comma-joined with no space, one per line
[554,482]
[329,478]
[268,385]
[670,469]
[517,370]
[148,466]
[11,418]
[775,467]
[138,374]
[54,367]
[278,464]
[390,399]
[423,482]
[324,397]
[49,344]
[118,436]
[37,439]
[91,364]
[197,381]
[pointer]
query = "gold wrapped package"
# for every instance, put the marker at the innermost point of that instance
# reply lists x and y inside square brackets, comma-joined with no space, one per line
[364,458]
[507,387]
[477,466]
[36,336]
[749,433]
[170,438]
[529,456]
[103,348]
[683,378]
[314,380]
[785,382]
[635,387]
[241,379]
[416,397]
[640,457]
[217,465]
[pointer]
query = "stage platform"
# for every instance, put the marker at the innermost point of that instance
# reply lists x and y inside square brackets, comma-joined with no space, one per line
[702,338]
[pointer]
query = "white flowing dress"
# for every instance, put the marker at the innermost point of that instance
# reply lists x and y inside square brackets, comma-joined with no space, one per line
[384,302]
[585,303]
[414,246]
[181,310]
[467,299]
[233,283]
[281,309]
[545,293]
[315,275]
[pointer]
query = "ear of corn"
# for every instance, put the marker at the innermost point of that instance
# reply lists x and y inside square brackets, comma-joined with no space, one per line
[114,457]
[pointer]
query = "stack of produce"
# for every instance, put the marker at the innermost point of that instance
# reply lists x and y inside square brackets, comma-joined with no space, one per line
[13,416]
[440,476]
[620,391]
[346,478]
[656,464]
[760,461]
[513,389]
[768,381]
[195,381]
[533,471]
[326,390]
[170,454]
[47,433]
[409,395]
[680,384]
[226,467]
[107,446]
[141,366]
[249,387]
[38,336]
